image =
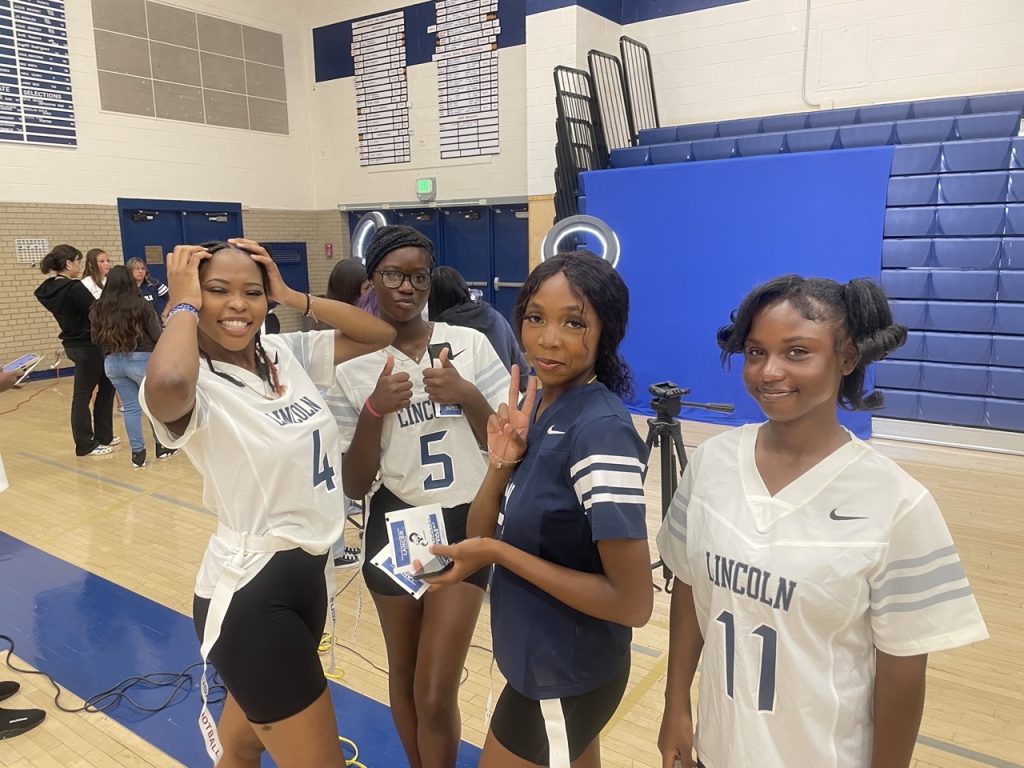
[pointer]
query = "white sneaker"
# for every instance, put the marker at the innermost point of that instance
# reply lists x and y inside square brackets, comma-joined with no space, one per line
[99,450]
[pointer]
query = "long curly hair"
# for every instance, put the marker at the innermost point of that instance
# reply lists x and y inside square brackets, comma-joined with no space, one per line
[594,280]
[118,317]
[858,310]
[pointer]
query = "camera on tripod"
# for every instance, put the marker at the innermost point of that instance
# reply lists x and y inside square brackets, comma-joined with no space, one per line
[667,400]
[665,433]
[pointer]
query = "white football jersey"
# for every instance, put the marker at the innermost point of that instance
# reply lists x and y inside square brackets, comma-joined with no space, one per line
[795,591]
[425,457]
[269,467]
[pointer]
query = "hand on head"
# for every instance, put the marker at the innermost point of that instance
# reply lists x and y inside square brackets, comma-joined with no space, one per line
[278,288]
[183,274]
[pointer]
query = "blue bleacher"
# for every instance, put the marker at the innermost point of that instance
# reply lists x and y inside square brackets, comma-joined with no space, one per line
[981,187]
[982,155]
[898,374]
[961,316]
[714,149]
[952,409]
[955,379]
[966,253]
[773,144]
[1011,287]
[1015,187]
[1008,351]
[783,123]
[678,152]
[1014,220]
[916,158]
[867,135]
[970,220]
[1009,318]
[911,313]
[920,131]
[883,113]
[831,118]
[1013,253]
[1005,414]
[913,190]
[988,126]
[940,107]
[1006,382]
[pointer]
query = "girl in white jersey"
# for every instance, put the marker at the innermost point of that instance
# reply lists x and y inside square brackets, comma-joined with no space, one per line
[404,450]
[812,573]
[248,414]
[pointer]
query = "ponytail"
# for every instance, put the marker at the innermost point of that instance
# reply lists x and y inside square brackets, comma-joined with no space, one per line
[57,259]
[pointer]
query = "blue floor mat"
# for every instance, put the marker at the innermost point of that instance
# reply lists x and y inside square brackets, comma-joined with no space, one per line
[89,634]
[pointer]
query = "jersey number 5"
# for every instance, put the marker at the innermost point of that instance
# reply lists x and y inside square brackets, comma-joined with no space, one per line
[428,457]
[323,472]
[769,649]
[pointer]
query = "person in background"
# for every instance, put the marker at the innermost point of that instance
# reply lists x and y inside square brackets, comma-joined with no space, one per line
[152,290]
[813,575]
[450,302]
[126,329]
[69,302]
[97,267]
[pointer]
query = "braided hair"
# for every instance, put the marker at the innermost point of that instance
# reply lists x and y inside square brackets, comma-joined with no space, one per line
[858,310]
[266,369]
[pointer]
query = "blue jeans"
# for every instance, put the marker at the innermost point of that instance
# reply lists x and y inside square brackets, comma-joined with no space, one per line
[126,370]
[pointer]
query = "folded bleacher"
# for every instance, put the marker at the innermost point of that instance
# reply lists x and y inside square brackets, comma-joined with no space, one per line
[953,249]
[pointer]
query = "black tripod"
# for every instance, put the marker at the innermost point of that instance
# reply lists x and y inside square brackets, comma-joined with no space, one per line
[664,431]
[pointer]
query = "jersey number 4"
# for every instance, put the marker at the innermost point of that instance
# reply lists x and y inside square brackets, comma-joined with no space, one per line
[769,649]
[430,456]
[323,472]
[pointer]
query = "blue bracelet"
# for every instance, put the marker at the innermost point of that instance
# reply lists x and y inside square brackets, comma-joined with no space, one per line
[183,307]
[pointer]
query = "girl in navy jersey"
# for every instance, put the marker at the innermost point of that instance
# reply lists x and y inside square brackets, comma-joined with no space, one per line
[561,514]
[812,573]
[412,419]
[248,414]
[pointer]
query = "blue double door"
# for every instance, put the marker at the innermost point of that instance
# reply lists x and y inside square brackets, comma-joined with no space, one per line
[488,245]
[150,229]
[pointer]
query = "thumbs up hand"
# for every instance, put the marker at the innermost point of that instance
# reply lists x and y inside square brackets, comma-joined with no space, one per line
[444,384]
[393,391]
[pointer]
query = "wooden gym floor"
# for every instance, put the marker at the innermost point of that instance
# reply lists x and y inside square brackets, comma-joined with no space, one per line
[150,542]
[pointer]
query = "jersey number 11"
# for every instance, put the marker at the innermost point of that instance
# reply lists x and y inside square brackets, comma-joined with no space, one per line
[769,649]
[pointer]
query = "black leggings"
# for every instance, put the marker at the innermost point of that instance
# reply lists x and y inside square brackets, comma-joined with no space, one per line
[267,650]
[97,427]
[518,723]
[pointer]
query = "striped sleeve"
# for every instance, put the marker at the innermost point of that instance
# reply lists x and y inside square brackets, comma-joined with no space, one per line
[672,538]
[921,600]
[606,472]
[345,412]
[315,352]
[492,376]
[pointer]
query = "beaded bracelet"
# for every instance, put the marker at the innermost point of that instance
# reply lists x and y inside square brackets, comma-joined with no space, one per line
[500,463]
[182,307]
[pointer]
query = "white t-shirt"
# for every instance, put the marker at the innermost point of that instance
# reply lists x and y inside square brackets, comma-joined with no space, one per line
[269,467]
[794,592]
[425,458]
[94,289]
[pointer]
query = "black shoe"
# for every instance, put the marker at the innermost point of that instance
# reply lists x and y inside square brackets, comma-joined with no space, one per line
[14,722]
[163,452]
[139,458]
[349,558]
[8,688]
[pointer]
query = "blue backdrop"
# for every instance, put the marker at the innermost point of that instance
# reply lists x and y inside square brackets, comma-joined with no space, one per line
[696,237]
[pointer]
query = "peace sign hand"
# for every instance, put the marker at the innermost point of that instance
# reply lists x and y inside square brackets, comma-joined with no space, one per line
[507,429]
[183,274]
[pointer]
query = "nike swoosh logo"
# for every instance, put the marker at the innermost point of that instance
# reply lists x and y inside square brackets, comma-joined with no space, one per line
[834,516]
[453,355]
[553,431]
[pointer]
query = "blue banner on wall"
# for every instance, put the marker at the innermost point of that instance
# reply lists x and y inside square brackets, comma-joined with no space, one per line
[696,237]
[35,78]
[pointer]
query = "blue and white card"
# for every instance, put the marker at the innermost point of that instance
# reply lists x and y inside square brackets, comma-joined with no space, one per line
[411,532]
[383,561]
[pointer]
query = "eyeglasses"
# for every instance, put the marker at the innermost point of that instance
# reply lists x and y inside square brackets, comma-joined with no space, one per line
[392,278]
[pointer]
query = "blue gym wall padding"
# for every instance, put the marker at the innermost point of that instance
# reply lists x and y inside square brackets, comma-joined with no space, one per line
[697,237]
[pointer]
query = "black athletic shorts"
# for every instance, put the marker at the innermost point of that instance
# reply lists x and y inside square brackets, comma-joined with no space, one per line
[375,538]
[518,724]
[267,650]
